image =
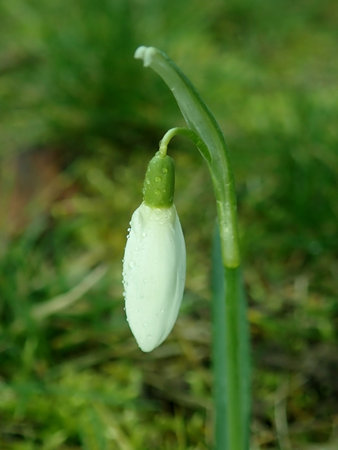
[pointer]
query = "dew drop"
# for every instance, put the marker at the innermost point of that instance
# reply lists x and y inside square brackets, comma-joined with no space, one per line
[164,170]
[157,179]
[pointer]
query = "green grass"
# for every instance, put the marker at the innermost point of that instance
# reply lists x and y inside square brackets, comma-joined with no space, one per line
[79,120]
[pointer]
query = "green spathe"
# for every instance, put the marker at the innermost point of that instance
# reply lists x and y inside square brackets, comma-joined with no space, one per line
[159,182]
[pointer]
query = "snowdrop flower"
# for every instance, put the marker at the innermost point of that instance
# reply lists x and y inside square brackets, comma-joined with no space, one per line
[154,260]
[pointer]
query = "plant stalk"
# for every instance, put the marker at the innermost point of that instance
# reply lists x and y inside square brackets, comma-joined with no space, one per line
[230,343]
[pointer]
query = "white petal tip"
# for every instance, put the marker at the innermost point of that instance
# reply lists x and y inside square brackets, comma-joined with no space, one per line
[147,339]
[145,53]
[147,348]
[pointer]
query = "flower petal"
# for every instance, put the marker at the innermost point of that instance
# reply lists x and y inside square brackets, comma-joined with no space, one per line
[153,274]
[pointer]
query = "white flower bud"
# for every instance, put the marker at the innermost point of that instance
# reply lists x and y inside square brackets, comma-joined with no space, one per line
[153,274]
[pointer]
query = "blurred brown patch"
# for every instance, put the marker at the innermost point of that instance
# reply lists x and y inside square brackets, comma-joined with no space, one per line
[37,183]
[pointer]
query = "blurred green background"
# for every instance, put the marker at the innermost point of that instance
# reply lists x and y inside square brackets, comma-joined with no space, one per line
[79,120]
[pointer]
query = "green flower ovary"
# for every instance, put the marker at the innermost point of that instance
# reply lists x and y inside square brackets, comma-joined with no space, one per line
[159,182]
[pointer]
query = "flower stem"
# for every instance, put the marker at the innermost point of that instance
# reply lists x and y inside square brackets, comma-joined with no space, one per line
[175,132]
[212,146]
[231,349]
